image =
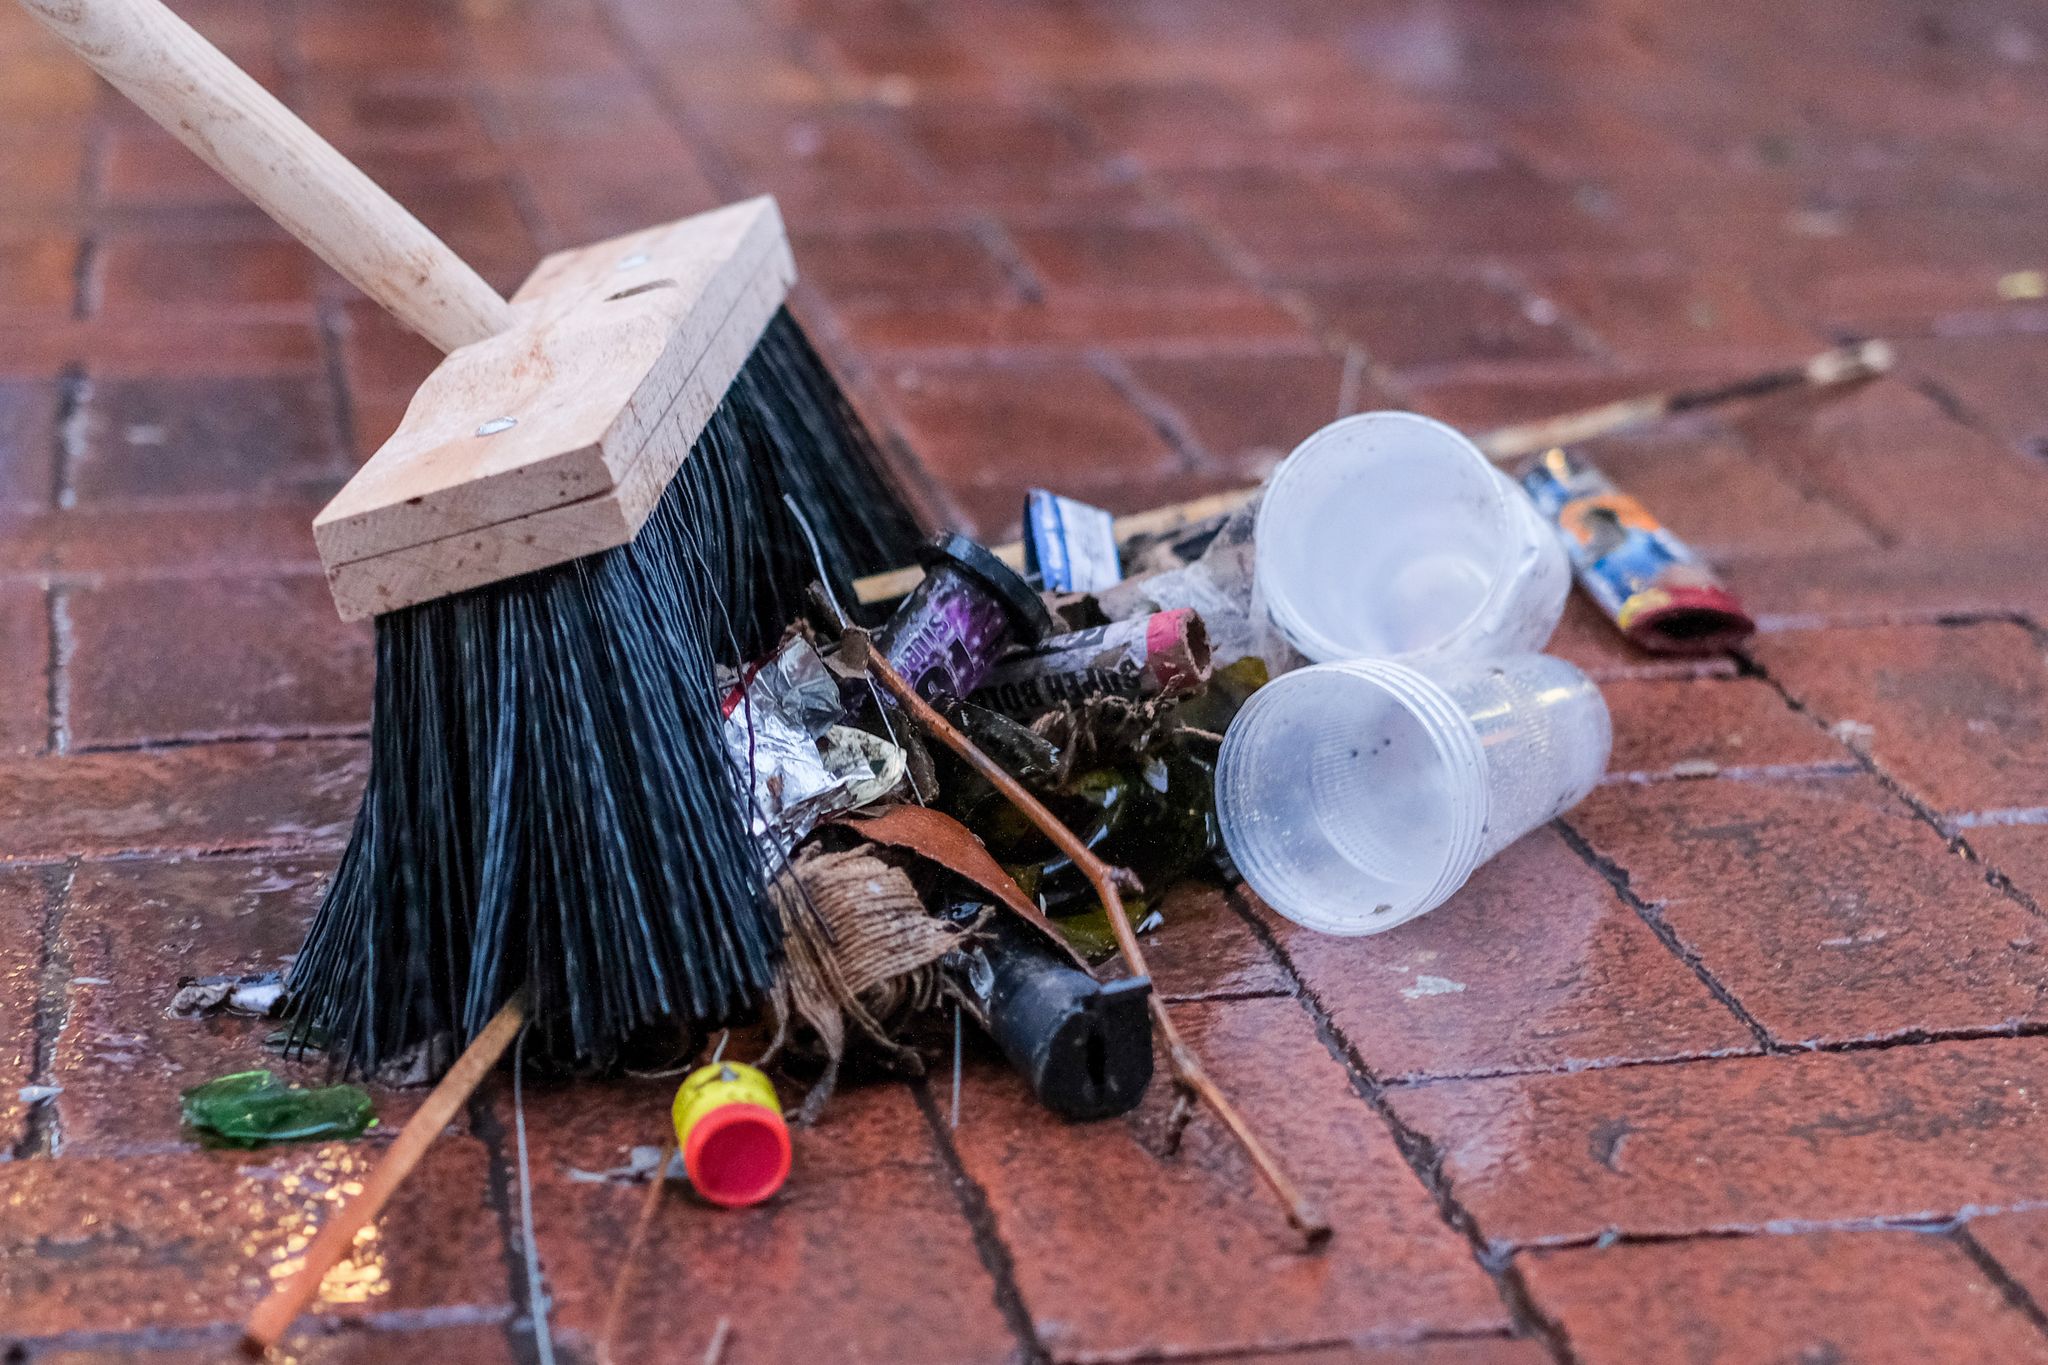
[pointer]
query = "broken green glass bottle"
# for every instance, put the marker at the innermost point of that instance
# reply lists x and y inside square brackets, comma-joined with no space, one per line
[252,1108]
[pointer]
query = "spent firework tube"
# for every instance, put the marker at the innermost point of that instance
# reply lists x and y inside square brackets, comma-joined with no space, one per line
[1648,581]
[1165,654]
[971,606]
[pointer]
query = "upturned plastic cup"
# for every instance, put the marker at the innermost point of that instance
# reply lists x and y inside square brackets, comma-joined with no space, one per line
[1390,536]
[1355,796]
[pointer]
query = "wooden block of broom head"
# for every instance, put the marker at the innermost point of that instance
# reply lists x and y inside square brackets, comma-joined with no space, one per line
[556,438]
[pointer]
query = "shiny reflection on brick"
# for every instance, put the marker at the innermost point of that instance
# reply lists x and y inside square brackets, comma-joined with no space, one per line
[195,1240]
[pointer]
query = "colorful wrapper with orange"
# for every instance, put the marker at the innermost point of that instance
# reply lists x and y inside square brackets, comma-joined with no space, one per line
[1648,582]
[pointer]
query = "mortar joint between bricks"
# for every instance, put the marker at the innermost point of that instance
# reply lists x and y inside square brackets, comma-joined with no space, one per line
[500,1188]
[1617,877]
[647,77]
[74,398]
[332,319]
[1920,810]
[989,1246]
[312,734]
[861,384]
[996,240]
[85,276]
[1161,415]
[1992,1269]
[61,646]
[1424,1080]
[1417,1150]
[42,1130]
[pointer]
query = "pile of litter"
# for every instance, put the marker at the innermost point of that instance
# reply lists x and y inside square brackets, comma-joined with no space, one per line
[1328,689]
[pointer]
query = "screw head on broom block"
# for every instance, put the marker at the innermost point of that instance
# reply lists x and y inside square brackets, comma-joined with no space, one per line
[556,438]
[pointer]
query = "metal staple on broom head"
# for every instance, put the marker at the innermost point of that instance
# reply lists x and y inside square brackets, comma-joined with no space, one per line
[550,801]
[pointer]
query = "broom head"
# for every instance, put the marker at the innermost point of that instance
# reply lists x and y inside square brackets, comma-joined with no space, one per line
[577,523]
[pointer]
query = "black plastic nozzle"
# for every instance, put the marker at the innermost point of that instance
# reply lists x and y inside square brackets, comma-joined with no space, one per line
[1084,1047]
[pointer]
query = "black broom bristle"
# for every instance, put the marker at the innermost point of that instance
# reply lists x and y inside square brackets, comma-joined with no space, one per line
[550,802]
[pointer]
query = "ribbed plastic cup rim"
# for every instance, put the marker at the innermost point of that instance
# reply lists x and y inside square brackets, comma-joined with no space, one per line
[1305,637]
[1457,746]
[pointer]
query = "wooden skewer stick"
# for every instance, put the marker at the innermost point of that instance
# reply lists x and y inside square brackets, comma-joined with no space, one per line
[1106,879]
[1843,365]
[274,1316]
[615,1310]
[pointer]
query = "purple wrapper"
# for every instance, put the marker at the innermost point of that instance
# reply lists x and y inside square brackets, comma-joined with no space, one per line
[946,635]
[967,611]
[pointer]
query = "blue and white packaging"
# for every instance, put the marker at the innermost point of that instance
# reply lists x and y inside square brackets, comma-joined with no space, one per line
[1069,545]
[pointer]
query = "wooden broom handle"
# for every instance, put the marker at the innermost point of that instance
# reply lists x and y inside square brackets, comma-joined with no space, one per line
[289,171]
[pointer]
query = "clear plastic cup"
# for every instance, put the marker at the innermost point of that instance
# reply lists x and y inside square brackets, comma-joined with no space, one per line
[1354,796]
[1390,536]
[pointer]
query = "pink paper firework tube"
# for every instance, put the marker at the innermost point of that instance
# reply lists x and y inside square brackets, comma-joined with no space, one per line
[1164,654]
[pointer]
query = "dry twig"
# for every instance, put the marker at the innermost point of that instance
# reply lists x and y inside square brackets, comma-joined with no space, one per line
[1843,365]
[616,1307]
[1107,881]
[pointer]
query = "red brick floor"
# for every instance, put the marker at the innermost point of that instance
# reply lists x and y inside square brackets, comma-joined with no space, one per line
[1744,1060]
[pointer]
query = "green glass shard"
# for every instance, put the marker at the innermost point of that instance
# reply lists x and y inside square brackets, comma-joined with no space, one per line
[1089,934]
[251,1108]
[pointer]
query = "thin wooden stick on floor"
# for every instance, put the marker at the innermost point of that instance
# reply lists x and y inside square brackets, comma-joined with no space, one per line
[1843,365]
[1829,369]
[615,1309]
[1109,882]
[275,1315]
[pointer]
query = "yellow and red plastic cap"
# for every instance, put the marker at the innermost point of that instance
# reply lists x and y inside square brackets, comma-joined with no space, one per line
[734,1141]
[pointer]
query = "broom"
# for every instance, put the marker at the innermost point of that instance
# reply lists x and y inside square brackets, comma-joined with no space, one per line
[600,495]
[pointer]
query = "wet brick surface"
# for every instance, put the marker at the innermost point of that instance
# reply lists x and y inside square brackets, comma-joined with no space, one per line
[1958,715]
[204,797]
[1742,1060]
[1700,728]
[28,426]
[148,663]
[1813,1296]
[193,1240]
[2019,853]
[156,439]
[26,895]
[2018,1243]
[1480,985]
[129,922]
[1756,511]
[25,639]
[1729,1145]
[795,1277]
[1212,949]
[1824,906]
[1391,1270]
